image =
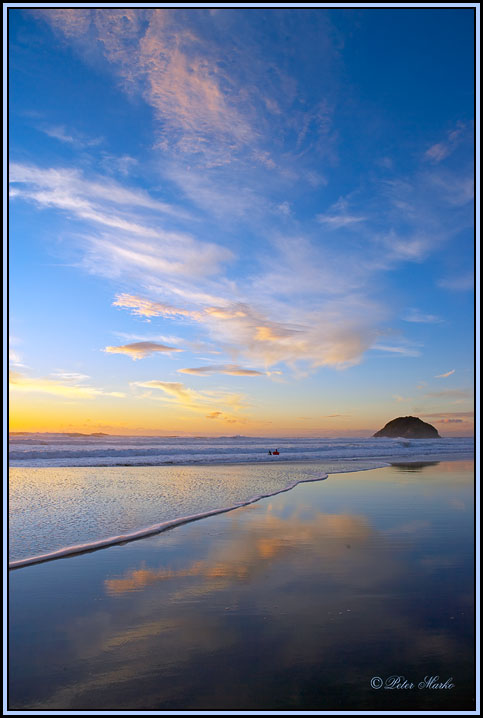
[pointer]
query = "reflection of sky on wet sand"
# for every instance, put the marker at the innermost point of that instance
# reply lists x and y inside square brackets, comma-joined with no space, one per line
[292,603]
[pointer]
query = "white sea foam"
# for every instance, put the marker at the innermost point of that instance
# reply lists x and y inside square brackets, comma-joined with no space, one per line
[149,531]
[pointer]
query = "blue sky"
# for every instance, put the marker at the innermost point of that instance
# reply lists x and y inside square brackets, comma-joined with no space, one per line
[241,221]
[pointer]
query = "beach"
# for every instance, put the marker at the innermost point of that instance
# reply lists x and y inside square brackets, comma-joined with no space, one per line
[67,491]
[295,602]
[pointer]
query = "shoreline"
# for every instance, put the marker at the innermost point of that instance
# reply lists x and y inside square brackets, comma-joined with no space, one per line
[158,528]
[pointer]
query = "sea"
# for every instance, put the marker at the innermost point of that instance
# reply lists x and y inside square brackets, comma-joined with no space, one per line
[69,493]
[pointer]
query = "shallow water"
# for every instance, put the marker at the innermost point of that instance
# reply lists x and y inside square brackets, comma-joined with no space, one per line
[53,508]
[294,603]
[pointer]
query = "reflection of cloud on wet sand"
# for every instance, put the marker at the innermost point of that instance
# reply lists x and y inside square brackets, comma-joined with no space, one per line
[267,538]
[302,585]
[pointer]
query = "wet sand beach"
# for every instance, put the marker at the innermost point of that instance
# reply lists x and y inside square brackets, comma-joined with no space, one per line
[301,601]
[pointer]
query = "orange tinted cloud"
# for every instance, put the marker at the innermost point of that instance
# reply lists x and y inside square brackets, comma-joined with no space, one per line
[444,376]
[146,308]
[199,401]
[139,350]
[180,76]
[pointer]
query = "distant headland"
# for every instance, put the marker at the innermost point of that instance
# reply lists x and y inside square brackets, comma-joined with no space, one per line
[408,427]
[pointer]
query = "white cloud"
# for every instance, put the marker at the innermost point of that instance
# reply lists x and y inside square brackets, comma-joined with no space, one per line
[14,358]
[339,220]
[402,350]
[416,316]
[439,151]
[70,137]
[140,247]
[161,338]
[443,376]
[68,189]
[455,190]
[230,369]
[123,165]
[69,377]
[458,282]
[340,216]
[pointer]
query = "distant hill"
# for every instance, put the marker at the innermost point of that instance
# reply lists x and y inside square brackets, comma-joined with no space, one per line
[408,427]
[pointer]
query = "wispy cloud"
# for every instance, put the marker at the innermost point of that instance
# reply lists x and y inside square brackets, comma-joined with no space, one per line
[68,386]
[73,22]
[70,137]
[443,376]
[451,394]
[439,151]
[176,390]
[161,338]
[402,350]
[147,308]
[179,75]
[340,216]
[418,317]
[230,369]
[449,415]
[455,189]
[340,220]
[140,246]
[217,402]
[214,415]
[208,105]
[139,350]
[70,189]
[14,358]
[70,377]
[458,282]
[119,165]
[306,303]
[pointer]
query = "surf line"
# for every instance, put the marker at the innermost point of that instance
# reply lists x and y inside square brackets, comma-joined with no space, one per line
[150,531]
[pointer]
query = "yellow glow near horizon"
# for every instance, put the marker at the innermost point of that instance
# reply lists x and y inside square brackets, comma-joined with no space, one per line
[143,417]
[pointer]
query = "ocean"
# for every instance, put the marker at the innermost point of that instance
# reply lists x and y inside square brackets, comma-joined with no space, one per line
[102,450]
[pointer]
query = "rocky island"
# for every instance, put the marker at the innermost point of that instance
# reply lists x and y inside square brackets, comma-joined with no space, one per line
[408,427]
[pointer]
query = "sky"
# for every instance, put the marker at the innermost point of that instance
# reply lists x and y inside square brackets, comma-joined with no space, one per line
[241,221]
